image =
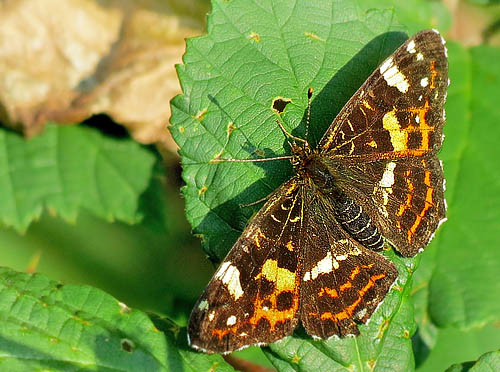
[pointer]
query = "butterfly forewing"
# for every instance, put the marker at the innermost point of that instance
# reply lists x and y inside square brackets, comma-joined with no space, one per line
[386,139]
[253,297]
[398,111]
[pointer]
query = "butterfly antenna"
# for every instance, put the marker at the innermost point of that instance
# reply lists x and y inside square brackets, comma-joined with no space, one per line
[308,118]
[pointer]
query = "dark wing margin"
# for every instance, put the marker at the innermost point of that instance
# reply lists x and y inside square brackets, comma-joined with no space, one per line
[253,298]
[398,112]
[342,283]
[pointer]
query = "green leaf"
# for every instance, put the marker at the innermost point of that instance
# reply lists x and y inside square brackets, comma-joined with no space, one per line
[47,326]
[457,282]
[456,346]
[489,362]
[69,167]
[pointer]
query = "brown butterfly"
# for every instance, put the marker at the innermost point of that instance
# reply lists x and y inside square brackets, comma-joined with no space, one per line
[310,253]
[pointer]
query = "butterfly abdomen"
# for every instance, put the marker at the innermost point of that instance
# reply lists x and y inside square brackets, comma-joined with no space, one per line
[357,223]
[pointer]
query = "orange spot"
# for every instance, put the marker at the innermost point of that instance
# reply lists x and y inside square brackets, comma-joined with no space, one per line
[272,314]
[357,270]
[428,204]
[329,291]
[409,196]
[345,286]
[222,332]
[289,246]
[434,73]
[347,312]
[372,143]
[427,178]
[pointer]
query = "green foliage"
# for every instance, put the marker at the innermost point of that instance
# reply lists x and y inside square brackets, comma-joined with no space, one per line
[489,362]
[67,168]
[48,326]
[457,284]
[464,286]
[230,78]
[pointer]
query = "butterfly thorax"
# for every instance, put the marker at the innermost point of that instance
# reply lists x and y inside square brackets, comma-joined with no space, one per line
[310,166]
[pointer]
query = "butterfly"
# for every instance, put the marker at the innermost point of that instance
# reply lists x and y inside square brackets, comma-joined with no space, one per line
[312,252]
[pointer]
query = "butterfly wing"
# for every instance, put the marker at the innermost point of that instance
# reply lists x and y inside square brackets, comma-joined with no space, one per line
[342,283]
[385,140]
[398,111]
[253,297]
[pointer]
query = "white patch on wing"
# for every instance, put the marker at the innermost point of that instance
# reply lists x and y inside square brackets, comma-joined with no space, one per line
[388,176]
[324,266]
[411,47]
[420,56]
[424,82]
[385,65]
[231,320]
[307,276]
[230,276]
[211,315]
[203,305]
[385,186]
[395,78]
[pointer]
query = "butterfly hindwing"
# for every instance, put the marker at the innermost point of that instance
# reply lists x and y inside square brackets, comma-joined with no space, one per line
[398,111]
[253,297]
[407,200]
[342,282]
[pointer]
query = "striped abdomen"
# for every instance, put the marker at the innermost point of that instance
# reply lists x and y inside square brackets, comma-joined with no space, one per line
[357,223]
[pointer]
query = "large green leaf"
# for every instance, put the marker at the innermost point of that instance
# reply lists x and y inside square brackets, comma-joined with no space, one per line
[47,326]
[69,167]
[416,15]
[458,284]
[458,346]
